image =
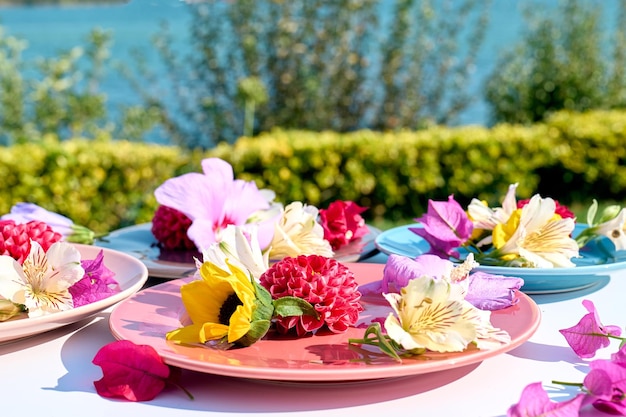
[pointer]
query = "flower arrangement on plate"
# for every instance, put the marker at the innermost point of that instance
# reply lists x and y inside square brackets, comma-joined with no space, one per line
[533,233]
[195,209]
[41,272]
[238,298]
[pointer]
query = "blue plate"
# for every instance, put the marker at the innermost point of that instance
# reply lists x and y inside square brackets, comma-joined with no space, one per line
[593,266]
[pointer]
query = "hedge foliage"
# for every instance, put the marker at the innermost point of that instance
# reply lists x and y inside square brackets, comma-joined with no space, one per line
[107,184]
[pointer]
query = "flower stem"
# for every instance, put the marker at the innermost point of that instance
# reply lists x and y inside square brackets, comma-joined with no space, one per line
[569,384]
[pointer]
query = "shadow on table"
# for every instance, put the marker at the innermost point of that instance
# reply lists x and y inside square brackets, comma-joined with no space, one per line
[227,394]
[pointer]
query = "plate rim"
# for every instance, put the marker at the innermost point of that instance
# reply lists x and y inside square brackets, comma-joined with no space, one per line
[318,375]
[63,318]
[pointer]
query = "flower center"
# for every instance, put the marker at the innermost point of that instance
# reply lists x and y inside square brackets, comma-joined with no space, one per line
[228,308]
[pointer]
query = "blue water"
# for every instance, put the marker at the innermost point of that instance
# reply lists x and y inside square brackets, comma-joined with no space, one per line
[50,29]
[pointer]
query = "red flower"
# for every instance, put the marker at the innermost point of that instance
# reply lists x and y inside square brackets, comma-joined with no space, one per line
[169,227]
[15,238]
[342,223]
[325,283]
[562,211]
[130,371]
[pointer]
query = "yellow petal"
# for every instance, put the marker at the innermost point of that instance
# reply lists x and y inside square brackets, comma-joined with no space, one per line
[188,334]
[202,302]
[213,331]
[239,323]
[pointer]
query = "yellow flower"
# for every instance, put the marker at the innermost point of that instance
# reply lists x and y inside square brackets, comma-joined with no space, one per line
[298,233]
[538,235]
[223,306]
[432,314]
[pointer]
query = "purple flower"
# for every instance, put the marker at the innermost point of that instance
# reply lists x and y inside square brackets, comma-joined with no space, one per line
[214,199]
[399,270]
[446,227]
[97,283]
[535,402]
[606,386]
[484,291]
[589,335]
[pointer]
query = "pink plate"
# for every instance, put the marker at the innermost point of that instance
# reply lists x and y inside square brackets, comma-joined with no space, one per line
[148,315]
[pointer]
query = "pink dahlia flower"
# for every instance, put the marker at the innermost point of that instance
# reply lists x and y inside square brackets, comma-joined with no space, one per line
[325,283]
[15,238]
[169,227]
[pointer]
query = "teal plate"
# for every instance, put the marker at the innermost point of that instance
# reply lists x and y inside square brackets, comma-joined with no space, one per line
[593,266]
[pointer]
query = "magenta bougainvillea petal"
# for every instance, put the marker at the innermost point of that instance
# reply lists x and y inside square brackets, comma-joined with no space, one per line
[132,372]
[446,227]
[98,282]
[589,334]
[535,402]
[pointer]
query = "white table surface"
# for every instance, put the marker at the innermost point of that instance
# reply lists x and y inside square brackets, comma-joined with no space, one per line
[52,374]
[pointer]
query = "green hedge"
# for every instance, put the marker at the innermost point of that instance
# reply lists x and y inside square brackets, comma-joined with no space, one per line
[107,184]
[100,184]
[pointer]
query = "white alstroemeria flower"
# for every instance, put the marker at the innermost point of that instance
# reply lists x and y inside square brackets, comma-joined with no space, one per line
[432,314]
[42,283]
[240,246]
[614,229]
[487,218]
[298,233]
[544,241]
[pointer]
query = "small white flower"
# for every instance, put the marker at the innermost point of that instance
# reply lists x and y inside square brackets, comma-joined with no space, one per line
[614,230]
[241,250]
[42,283]
[298,233]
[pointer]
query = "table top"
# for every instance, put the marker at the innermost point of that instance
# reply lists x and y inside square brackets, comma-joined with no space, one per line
[53,372]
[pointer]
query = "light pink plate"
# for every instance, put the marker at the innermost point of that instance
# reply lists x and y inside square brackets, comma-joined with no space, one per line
[130,273]
[145,318]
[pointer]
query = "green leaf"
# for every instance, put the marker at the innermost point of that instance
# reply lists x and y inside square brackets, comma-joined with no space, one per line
[373,336]
[294,306]
[262,294]
[258,329]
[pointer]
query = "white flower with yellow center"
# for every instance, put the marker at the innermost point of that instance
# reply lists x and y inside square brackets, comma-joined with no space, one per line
[538,235]
[298,233]
[432,314]
[42,283]
[486,218]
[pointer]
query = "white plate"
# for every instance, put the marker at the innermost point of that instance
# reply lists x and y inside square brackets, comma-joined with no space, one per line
[129,273]
[139,242]
[591,268]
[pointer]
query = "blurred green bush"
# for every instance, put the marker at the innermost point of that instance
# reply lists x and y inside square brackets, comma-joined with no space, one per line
[106,184]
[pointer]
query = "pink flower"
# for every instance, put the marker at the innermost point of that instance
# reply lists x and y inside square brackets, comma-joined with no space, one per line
[169,227]
[342,223]
[133,372]
[15,238]
[446,227]
[589,335]
[130,371]
[535,402]
[97,283]
[325,283]
[606,386]
[214,199]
